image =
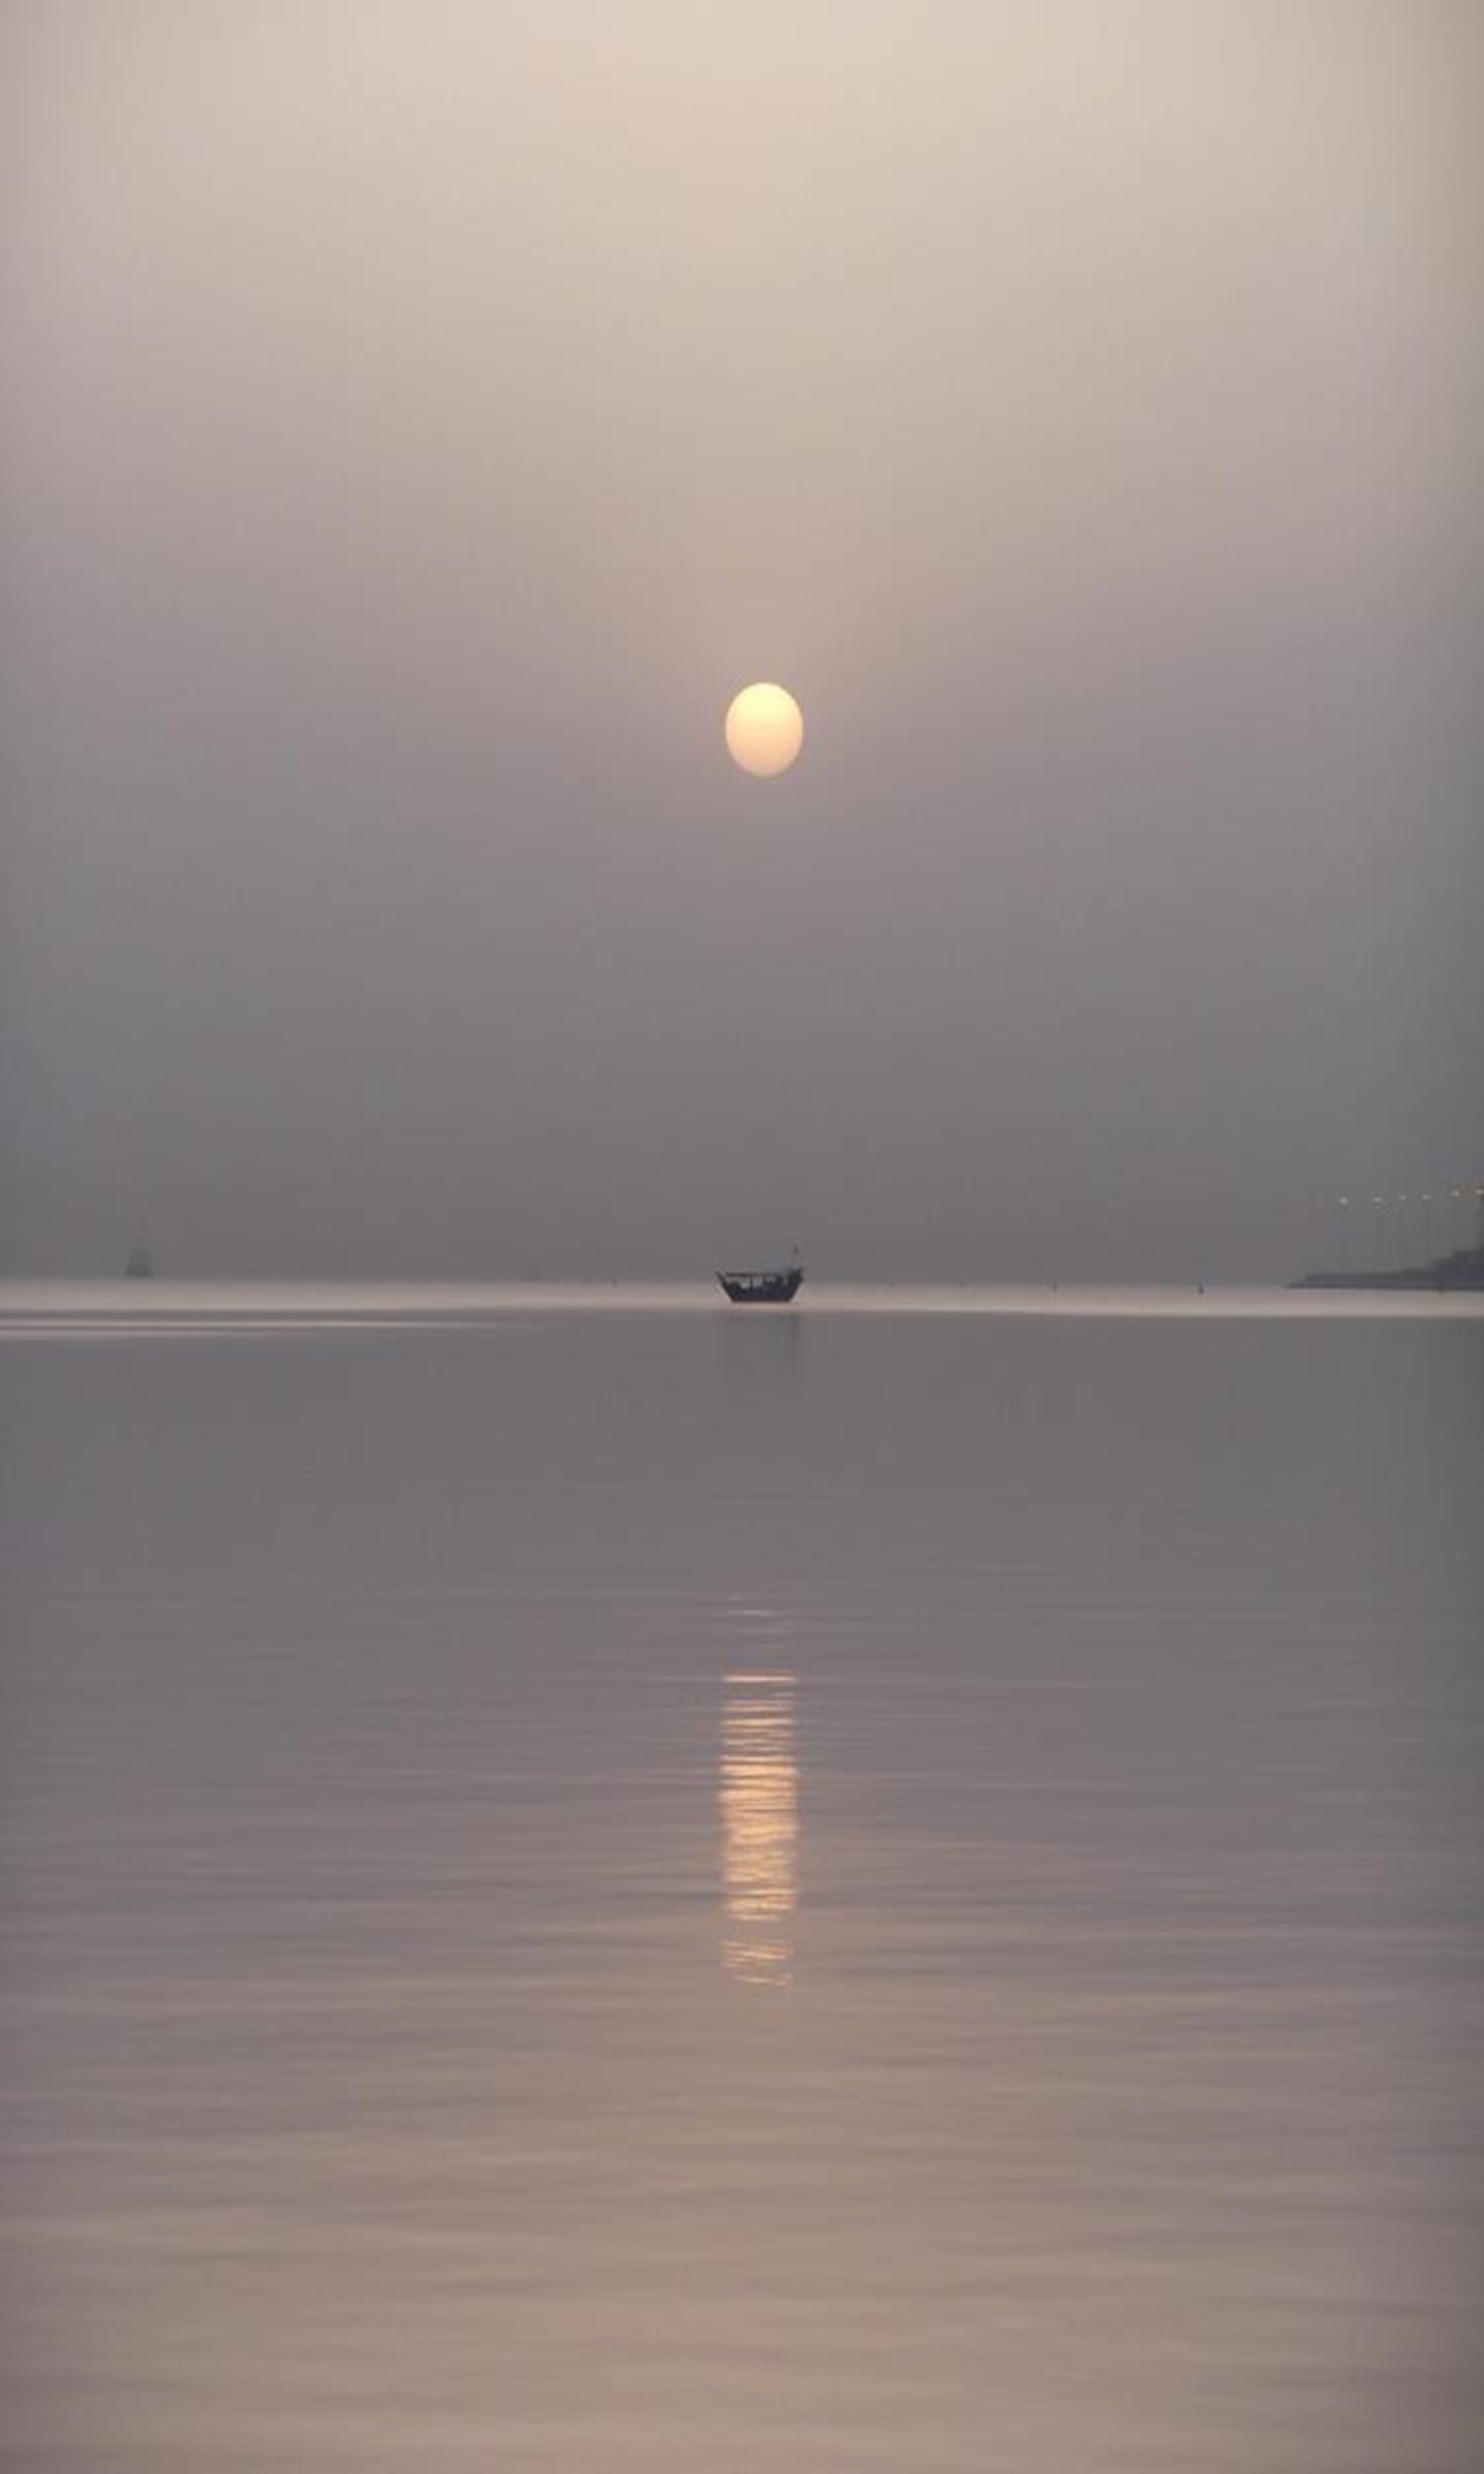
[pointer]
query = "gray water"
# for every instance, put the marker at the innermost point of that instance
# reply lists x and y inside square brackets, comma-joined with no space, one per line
[597,1883]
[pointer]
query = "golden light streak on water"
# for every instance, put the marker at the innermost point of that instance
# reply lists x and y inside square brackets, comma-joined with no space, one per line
[760,1823]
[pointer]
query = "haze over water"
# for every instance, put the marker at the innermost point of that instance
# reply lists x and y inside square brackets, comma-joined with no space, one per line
[852,1891]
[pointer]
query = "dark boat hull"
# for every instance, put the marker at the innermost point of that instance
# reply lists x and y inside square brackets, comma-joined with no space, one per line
[763,1288]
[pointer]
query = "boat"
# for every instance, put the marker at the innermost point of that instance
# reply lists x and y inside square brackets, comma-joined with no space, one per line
[775,1287]
[139,1266]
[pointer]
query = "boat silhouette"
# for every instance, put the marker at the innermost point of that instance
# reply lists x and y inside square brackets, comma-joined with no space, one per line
[772,1288]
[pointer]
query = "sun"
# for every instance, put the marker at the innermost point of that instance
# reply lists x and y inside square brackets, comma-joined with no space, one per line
[764,729]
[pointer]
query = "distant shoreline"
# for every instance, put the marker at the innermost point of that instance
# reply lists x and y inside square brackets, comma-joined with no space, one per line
[1464,1270]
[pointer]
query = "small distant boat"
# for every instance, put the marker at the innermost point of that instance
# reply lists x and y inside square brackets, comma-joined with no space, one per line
[776,1288]
[139,1266]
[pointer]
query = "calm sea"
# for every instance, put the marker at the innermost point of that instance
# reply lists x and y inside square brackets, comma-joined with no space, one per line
[600,1883]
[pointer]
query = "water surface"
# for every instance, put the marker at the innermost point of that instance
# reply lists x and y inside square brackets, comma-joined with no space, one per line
[597,1882]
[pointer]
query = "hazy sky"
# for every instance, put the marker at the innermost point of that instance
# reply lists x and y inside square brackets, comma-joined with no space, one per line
[419,419]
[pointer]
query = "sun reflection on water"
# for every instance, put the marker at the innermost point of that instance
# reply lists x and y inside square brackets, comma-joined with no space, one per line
[760,1826]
